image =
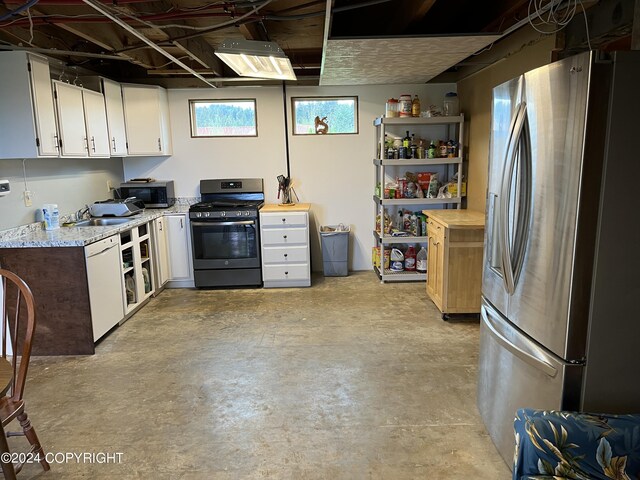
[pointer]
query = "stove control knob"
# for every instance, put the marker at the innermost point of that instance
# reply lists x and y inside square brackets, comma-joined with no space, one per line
[247,213]
[198,214]
[207,214]
[223,214]
[239,214]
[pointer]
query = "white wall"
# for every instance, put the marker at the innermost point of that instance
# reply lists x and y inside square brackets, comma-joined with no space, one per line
[71,183]
[333,173]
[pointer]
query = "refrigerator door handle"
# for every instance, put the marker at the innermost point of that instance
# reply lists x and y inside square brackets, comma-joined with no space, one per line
[529,352]
[505,197]
[491,224]
[521,234]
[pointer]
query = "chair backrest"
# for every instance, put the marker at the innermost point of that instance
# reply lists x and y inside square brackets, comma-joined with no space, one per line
[18,326]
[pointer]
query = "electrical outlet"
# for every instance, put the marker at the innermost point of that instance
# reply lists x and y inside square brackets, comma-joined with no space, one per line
[109,186]
[28,198]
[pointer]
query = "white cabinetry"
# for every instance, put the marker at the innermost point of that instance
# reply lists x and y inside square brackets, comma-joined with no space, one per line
[73,132]
[82,121]
[162,271]
[284,233]
[115,117]
[146,114]
[179,246]
[95,117]
[436,128]
[105,284]
[137,267]
[28,123]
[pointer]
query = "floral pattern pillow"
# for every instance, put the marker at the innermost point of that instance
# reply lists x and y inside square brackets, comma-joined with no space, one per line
[557,445]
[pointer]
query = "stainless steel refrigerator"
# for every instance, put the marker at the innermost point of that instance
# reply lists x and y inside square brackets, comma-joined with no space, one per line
[560,323]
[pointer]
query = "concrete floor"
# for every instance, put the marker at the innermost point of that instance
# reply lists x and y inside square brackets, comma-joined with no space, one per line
[348,379]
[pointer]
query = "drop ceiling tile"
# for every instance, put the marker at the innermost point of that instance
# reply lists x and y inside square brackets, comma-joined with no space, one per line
[379,61]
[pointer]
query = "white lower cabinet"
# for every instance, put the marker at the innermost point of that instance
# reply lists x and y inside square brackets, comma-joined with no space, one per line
[137,267]
[284,235]
[161,257]
[179,247]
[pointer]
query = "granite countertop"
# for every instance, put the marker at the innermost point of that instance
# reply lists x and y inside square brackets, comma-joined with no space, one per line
[31,236]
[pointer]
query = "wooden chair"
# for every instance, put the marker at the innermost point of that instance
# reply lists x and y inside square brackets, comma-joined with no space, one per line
[18,313]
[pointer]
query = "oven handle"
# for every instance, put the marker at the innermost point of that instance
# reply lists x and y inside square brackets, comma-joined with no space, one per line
[208,224]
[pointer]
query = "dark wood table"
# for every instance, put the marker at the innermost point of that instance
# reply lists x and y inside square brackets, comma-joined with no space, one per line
[6,375]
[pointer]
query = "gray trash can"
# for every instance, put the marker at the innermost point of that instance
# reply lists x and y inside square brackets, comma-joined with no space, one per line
[335,249]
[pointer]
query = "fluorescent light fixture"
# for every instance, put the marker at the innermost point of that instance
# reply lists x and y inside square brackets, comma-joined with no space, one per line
[252,58]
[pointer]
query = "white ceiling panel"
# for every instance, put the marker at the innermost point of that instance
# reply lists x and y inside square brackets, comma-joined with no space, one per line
[388,61]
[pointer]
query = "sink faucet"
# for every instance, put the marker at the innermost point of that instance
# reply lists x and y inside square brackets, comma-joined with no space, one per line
[80,214]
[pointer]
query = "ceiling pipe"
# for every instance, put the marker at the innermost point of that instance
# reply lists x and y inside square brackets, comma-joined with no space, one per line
[53,51]
[80,2]
[64,20]
[93,4]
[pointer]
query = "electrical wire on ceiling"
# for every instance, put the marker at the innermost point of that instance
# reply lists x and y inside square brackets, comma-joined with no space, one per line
[551,16]
[18,10]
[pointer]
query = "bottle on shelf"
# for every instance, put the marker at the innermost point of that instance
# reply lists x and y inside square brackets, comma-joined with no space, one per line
[432,151]
[397,260]
[414,146]
[415,107]
[421,261]
[451,105]
[406,143]
[391,108]
[404,105]
[400,220]
[410,259]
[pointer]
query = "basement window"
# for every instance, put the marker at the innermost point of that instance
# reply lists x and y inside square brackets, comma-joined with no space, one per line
[223,118]
[324,115]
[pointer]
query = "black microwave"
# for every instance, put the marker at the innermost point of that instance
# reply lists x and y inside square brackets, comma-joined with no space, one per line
[159,194]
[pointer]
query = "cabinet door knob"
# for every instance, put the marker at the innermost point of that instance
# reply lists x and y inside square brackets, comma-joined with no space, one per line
[286,273]
[286,254]
[284,220]
[284,236]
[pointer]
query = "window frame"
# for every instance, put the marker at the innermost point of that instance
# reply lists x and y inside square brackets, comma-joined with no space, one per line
[192,113]
[356,113]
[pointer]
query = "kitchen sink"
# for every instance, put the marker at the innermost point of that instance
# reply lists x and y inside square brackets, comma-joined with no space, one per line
[102,222]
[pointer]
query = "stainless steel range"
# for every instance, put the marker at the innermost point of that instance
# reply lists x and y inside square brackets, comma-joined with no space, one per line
[225,233]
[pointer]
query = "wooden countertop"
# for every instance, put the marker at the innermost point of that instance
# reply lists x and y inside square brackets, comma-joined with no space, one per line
[277,208]
[459,219]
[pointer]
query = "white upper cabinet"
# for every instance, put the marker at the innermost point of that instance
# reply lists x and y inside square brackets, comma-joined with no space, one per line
[146,114]
[70,108]
[82,121]
[95,117]
[28,121]
[115,117]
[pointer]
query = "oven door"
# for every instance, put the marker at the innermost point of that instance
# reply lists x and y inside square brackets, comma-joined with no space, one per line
[225,243]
